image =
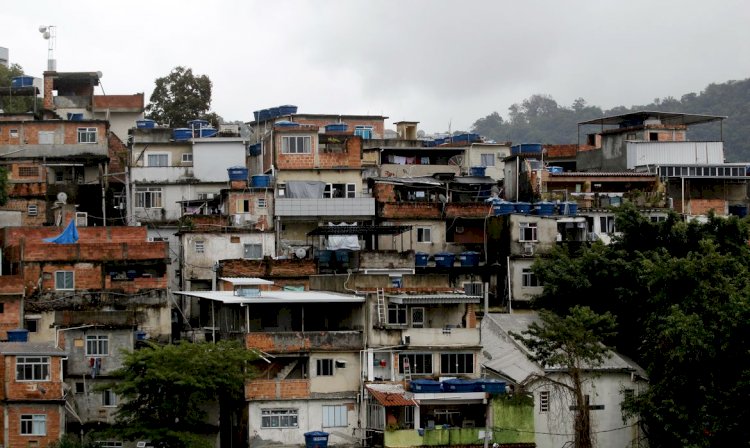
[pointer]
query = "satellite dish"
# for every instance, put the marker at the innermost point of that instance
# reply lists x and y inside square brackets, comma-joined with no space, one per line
[456,160]
[62,197]
[300,252]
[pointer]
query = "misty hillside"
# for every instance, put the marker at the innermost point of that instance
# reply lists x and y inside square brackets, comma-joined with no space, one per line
[540,119]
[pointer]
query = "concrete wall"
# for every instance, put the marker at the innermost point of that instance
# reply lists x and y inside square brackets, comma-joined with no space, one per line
[80,364]
[212,157]
[519,291]
[499,151]
[219,246]
[607,424]
[546,232]
[310,418]
[408,241]
[343,379]
[170,209]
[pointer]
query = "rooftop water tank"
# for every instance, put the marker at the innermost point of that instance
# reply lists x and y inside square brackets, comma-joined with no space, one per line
[477,170]
[503,208]
[525,148]
[421,259]
[182,134]
[207,132]
[286,123]
[336,127]
[260,181]
[545,208]
[274,112]
[145,124]
[444,259]
[237,173]
[22,81]
[523,207]
[287,109]
[18,335]
[197,123]
[469,259]
[425,386]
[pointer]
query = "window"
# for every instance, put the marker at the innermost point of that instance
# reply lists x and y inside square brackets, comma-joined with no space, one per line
[97,345]
[33,425]
[262,203]
[253,251]
[200,247]
[31,324]
[529,279]
[32,210]
[281,190]
[86,135]
[46,137]
[109,398]
[457,363]
[148,197]
[420,363]
[334,416]
[2,308]
[607,224]
[528,231]
[340,191]
[64,280]
[108,444]
[32,368]
[543,401]
[28,171]
[363,131]
[157,160]
[243,206]
[396,314]
[424,234]
[13,133]
[187,158]
[488,159]
[296,145]
[278,418]
[630,136]
[628,394]
[653,136]
[324,367]
[80,387]
[351,190]
[417,317]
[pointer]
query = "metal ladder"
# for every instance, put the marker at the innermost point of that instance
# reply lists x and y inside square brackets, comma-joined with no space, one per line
[381,305]
[407,368]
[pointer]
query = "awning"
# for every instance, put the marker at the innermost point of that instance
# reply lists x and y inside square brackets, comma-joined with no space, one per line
[391,395]
[433,299]
[359,230]
[265,297]
[246,281]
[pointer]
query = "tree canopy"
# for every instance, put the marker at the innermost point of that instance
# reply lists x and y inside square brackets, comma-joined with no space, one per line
[165,390]
[681,295]
[541,119]
[573,344]
[179,97]
[10,104]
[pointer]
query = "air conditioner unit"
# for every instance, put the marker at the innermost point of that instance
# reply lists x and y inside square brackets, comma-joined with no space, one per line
[473,289]
[82,219]
[528,249]
[406,339]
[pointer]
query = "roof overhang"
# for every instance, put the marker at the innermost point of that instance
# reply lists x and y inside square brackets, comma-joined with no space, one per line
[669,118]
[359,230]
[433,299]
[274,297]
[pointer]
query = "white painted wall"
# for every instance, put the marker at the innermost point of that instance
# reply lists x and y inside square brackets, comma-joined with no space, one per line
[218,246]
[310,418]
[212,157]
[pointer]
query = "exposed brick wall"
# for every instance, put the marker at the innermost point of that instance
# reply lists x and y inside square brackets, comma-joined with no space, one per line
[410,210]
[118,157]
[113,234]
[467,210]
[378,125]
[471,315]
[703,206]
[267,268]
[22,205]
[384,192]
[49,82]
[54,431]
[560,151]
[277,389]
[10,318]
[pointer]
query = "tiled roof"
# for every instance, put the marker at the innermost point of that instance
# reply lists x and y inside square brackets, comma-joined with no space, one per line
[390,395]
[118,101]
[30,348]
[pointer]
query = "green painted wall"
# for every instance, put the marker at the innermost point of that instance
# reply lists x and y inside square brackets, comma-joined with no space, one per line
[513,419]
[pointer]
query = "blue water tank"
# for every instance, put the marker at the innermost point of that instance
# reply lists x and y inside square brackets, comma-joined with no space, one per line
[459,385]
[22,81]
[492,386]
[421,259]
[555,169]
[425,386]
[287,109]
[207,132]
[316,439]
[523,207]
[140,335]
[18,335]
[444,259]
[197,123]
[237,173]
[254,150]
[75,116]
[256,115]
[336,127]
[145,124]
[545,208]
[525,148]
[273,112]
[477,170]
[264,114]
[503,208]
[286,123]
[469,259]
[738,210]
[568,208]
[182,134]
[260,181]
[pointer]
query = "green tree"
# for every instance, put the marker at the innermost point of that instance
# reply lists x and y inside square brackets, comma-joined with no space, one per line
[181,96]
[573,344]
[165,389]
[11,104]
[681,295]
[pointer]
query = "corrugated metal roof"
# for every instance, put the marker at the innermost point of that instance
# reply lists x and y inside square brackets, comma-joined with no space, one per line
[418,299]
[359,230]
[665,117]
[229,298]
[30,348]
[601,174]
[390,395]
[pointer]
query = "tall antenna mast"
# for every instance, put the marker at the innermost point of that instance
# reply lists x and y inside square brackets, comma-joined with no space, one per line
[49,33]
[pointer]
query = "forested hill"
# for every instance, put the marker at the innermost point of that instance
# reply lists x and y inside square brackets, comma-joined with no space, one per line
[540,119]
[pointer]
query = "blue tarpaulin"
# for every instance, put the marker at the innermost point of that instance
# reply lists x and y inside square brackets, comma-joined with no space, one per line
[68,236]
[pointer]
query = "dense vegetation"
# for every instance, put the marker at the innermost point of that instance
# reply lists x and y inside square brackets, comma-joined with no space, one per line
[540,119]
[681,295]
[181,96]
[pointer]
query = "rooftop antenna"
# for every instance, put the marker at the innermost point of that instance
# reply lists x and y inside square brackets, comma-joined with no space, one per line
[49,33]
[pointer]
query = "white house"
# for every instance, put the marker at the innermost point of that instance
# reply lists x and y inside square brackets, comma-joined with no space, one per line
[605,386]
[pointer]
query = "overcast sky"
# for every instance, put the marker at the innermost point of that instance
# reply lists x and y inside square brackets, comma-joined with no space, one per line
[437,62]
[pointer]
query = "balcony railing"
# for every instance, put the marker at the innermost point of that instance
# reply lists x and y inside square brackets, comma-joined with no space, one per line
[291,207]
[305,341]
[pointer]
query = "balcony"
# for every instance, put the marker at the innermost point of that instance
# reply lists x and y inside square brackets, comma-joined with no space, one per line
[671,153]
[162,174]
[333,207]
[305,341]
[408,210]
[397,170]
[120,319]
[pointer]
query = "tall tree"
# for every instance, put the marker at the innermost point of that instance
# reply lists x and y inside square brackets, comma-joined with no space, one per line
[165,389]
[573,345]
[179,97]
[11,104]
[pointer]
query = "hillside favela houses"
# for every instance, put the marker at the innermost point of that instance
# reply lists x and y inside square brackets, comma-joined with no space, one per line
[376,272]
